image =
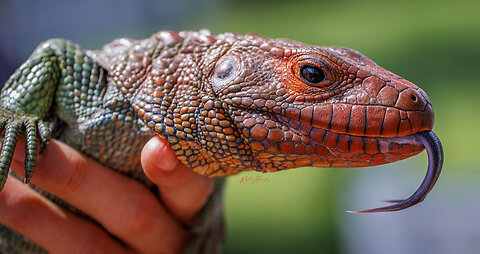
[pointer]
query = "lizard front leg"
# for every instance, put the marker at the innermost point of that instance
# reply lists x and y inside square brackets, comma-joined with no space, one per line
[57,69]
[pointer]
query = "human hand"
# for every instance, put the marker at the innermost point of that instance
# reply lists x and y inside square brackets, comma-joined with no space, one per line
[122,206]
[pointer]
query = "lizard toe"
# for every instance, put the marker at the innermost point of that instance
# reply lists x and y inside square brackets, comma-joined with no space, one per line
[9,142]
[11,127]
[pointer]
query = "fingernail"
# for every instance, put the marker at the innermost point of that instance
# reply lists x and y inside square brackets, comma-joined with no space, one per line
[168,160]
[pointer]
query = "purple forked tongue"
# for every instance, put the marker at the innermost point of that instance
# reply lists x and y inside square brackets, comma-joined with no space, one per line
[435,162]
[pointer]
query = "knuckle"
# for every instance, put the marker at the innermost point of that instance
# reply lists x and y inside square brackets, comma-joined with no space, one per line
[173,180]
[181,179]
[175,183]
[197,200]
[77,175]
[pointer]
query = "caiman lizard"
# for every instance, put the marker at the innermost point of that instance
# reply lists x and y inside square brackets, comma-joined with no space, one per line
[226,103]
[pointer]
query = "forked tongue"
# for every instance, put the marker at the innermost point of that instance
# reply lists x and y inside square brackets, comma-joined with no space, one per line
[435,162]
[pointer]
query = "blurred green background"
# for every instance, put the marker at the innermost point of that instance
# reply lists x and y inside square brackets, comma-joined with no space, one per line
[435,44]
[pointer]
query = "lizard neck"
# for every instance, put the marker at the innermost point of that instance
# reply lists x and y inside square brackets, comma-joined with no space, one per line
[165,79]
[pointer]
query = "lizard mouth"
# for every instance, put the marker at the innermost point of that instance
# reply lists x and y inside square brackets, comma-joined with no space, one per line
[435,162]
[365,121]
[427,140]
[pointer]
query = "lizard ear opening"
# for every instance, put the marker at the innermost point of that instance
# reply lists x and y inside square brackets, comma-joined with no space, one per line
[226,70]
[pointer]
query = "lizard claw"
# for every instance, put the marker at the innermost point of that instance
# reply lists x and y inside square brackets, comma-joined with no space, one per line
[44,132]
[12,126]
[8,147]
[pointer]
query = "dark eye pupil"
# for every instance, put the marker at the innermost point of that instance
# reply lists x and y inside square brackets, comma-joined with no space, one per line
[312,74]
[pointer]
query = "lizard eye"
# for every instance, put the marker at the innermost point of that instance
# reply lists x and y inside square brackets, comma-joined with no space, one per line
[312,74]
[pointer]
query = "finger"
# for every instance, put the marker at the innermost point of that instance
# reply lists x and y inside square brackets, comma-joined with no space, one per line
[51,227]
[182,191]
[124,207]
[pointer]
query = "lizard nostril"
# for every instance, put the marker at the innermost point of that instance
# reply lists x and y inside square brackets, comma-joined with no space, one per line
[409,99]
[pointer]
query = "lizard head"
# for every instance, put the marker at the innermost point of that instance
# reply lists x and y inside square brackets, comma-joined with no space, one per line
[252,103]
[297,105]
